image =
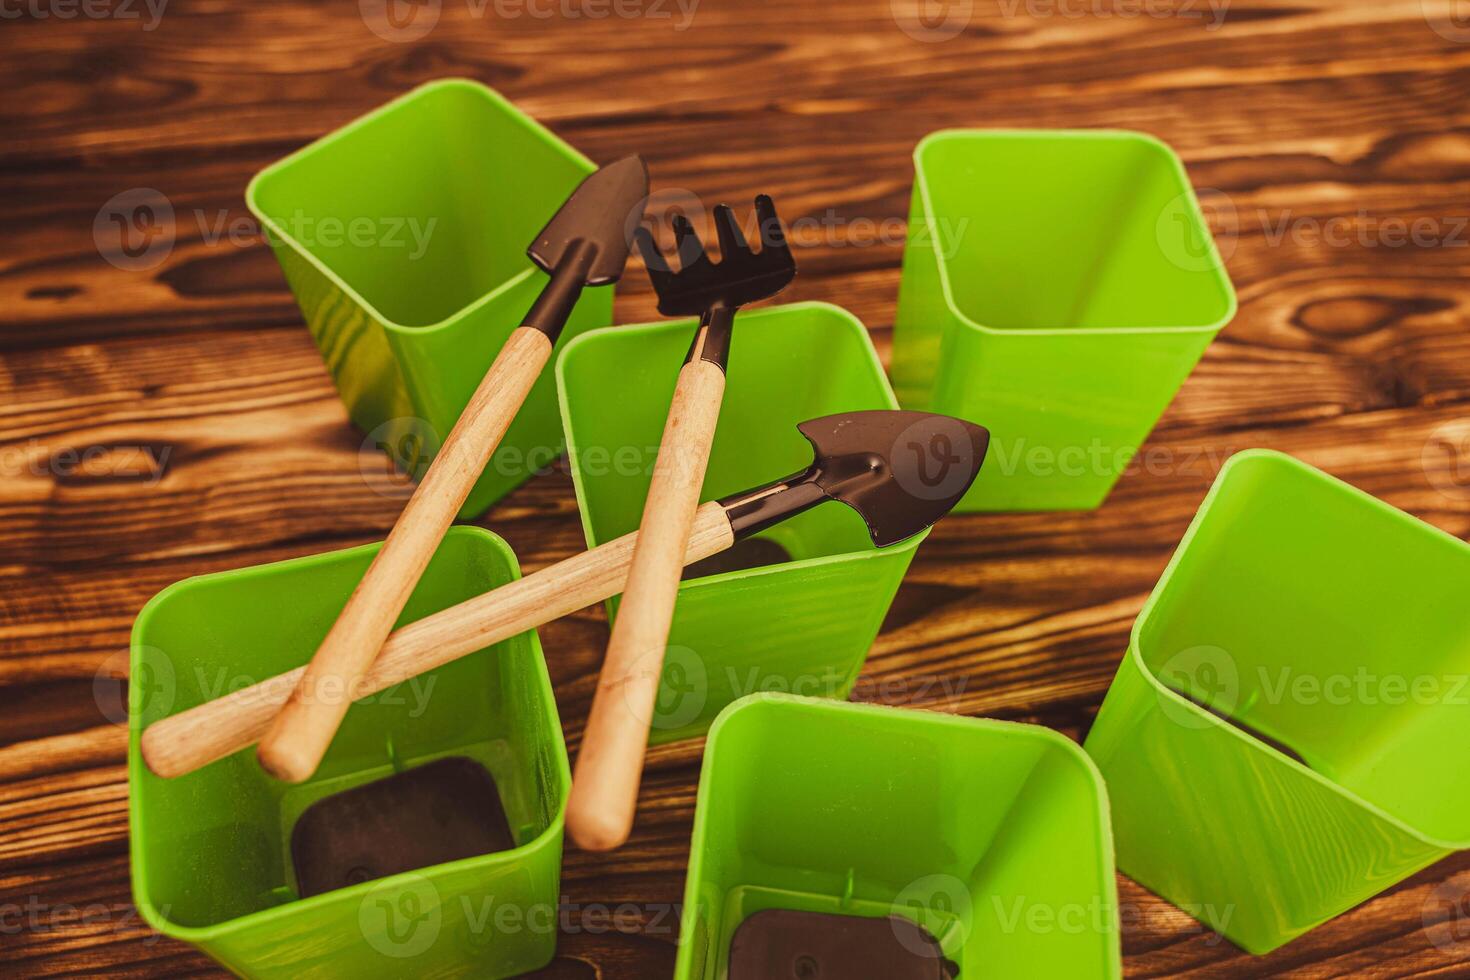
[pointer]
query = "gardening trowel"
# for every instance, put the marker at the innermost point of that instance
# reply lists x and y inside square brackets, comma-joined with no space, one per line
[610,765]
[584,245]
[901,471]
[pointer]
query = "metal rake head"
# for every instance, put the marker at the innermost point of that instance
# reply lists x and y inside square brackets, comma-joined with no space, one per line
[741,276]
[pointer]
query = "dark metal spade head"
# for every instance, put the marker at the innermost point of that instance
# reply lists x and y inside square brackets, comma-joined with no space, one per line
[901,471]
[741,276]
[597,215]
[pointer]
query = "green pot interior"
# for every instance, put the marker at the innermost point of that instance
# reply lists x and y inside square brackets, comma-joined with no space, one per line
[787,364]
[1332,624]
[445,188]
[1068,230]
[213,846]
[993,836]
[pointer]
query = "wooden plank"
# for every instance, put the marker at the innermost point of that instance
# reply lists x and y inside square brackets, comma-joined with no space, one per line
[177,421]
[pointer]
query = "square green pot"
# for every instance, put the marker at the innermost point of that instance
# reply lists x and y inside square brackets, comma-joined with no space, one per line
[1058,287]
[210,851]
[403,236]
[991,835]
[1274,741]
[803,625]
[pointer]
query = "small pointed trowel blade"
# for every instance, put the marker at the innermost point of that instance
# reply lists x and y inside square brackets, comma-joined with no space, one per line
[901,471]
[597,212]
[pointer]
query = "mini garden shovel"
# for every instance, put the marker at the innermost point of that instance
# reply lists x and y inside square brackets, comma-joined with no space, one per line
[585,244]
[901,471]
[610,765]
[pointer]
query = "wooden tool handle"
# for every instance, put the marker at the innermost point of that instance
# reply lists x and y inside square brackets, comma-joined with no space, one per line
[610,765]
[299,736]
[203,734]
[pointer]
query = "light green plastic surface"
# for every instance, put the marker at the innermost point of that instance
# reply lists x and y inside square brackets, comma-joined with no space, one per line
[408,337]
[1287,589]
[804,625]
[992,835]
[1058,287]
[211,851]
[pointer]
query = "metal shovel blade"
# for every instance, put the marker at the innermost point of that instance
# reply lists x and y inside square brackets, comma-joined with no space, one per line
[901,471]
[596,214]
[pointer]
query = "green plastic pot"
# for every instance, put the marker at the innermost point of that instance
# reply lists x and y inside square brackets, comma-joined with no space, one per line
[1274,742]
[803,625]
[1058,287]
[210,851]
[403,236]
[991,835]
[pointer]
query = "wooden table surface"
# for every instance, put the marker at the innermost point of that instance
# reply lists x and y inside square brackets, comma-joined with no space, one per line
[1331,141]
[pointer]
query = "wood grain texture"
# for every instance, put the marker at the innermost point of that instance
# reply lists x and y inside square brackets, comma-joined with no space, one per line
[214,439]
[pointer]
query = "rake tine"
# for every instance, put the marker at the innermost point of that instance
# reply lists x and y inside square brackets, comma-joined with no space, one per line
[732,239]
[686,242]
[653,260]
[741,276]
[772,236]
